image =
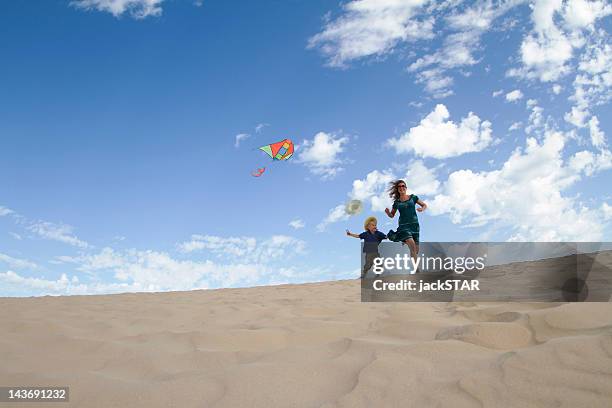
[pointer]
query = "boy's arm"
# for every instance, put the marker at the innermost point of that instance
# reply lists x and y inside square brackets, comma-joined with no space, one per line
[350,234]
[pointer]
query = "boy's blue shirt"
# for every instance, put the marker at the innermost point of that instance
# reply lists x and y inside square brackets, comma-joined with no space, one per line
[377,236]
[371,241]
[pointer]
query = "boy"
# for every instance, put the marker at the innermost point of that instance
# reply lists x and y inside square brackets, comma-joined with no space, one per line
[371,238]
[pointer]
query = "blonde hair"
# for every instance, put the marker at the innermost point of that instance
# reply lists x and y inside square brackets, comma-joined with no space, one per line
[368,221]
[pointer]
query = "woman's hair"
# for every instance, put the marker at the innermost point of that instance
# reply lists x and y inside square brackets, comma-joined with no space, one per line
[393,191]
[368,221]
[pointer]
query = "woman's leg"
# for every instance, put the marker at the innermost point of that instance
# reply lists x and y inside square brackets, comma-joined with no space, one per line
[413,248]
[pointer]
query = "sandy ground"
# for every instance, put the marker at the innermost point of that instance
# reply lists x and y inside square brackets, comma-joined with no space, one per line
[311,345]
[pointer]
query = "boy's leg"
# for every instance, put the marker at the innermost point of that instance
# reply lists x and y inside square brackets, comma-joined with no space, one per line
[369,262]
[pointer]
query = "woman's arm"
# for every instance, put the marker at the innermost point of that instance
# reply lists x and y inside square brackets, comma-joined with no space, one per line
[423,206]
[350,234]
[390,213]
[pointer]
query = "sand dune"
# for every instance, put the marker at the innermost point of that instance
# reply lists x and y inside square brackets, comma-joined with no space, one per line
[312,345]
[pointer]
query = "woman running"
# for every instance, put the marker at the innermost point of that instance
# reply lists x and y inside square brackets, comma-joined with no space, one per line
[408,228]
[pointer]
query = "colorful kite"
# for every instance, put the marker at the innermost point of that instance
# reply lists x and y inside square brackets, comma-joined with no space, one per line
[282,150]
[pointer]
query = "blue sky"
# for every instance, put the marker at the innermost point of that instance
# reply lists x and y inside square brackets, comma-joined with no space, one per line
[122,170]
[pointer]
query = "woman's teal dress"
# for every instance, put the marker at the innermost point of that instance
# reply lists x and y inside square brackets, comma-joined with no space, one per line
[408,221]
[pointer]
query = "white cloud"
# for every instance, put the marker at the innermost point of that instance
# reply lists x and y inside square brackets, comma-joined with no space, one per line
[457,52]
[590,163]
[107,258]
[593,83]
[158,271]
[467,25]
[150,271]
[17,263]
[138,9]
[524,195]
[582,13]
[26,285]
[373,188]
[536,119]
[297,224]
[607,211]
[436,82]
[372,28]
[597,58]
[546,52]
[598,138]
[278,247]
[5,211]
[336,214]
[577,117]
[438,137]
[239,138]
[421,179]
[322,154]
[246,262]
[61,259]
[497,93]
[515,126]
[514,95]
[55,232]
[557,89]
[46,230]
[544,57]
[234,246]
[15,235]
[260,127]
[369,28]
[247,249]
[581,161]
